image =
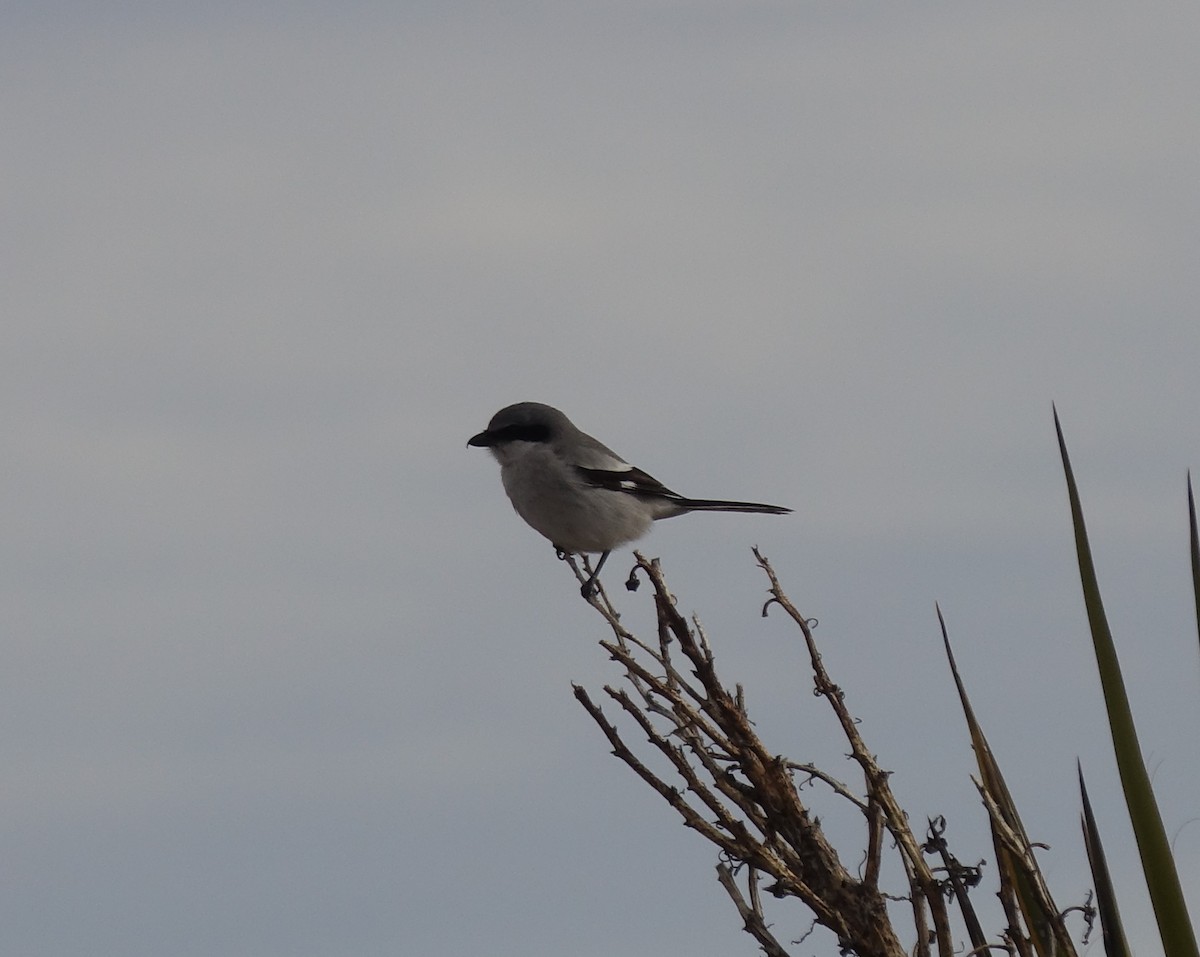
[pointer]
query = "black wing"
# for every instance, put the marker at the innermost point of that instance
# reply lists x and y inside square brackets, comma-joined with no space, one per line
[631,480]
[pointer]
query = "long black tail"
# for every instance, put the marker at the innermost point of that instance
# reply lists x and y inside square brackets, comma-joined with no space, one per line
[716,505]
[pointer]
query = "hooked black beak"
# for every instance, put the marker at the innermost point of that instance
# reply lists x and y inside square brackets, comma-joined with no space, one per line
[481,441]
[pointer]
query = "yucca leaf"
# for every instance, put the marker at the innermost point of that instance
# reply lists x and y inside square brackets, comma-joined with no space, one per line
[1195,549]
[1020,877]
[1115,944]
[1162,879]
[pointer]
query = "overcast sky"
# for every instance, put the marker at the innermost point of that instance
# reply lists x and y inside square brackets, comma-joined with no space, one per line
[283,672]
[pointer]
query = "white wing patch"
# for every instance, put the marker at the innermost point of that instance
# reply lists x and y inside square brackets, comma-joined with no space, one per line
[627,479]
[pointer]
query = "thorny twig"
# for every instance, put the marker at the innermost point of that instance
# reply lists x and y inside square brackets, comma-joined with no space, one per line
[738,794]
[746,800]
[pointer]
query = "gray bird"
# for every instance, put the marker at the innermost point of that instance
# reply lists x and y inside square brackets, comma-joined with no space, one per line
[577,491]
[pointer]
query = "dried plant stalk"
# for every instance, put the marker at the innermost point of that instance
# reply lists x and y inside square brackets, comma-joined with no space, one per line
[746,800]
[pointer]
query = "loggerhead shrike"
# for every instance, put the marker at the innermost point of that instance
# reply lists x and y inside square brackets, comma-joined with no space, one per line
[578,492]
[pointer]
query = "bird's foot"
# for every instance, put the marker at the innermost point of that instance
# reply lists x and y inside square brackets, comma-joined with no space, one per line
[592,585]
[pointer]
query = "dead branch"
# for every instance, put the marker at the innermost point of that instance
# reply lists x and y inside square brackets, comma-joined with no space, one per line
[746,800]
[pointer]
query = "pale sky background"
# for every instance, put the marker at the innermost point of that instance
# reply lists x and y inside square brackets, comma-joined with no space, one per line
[284,674]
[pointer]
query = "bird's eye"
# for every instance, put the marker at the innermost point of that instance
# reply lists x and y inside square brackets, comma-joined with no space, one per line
[524,432]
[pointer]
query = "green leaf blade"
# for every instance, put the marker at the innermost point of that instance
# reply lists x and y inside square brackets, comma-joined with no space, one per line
[1158,865]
